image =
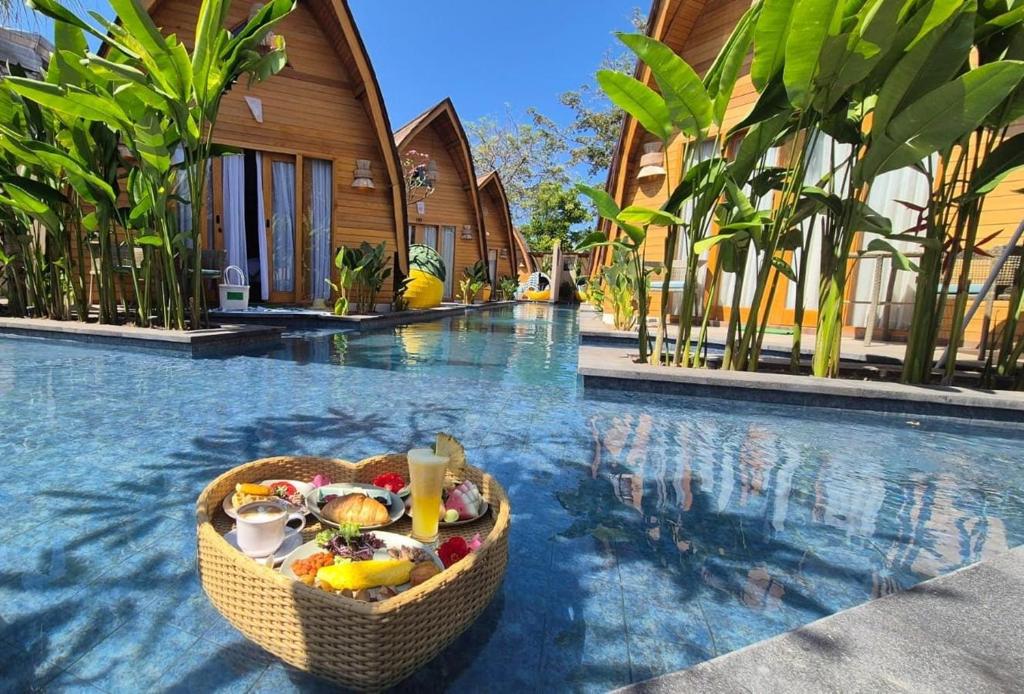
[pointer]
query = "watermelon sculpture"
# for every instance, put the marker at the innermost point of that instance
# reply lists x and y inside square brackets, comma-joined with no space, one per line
[426,277]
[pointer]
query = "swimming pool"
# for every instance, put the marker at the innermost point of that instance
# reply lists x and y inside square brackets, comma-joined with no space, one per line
[649,533]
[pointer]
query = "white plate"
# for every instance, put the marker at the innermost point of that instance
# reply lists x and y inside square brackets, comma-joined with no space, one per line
[292,541]
[396,509]
[391,541]
[302,487]
[443,524]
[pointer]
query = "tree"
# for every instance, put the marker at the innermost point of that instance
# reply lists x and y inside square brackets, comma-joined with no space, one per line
[524,153]
[555,212]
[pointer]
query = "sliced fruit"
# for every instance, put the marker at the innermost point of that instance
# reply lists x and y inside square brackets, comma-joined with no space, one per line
[448,445]
[451,515]
[466,500]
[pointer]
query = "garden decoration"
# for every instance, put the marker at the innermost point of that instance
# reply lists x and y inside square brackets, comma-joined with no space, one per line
[427,273]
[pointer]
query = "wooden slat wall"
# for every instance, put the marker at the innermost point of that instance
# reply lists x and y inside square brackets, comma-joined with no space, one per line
[451,204]
[314,108]
[499,236]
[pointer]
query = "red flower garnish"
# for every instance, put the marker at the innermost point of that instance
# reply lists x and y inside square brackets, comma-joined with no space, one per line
[452,550]
[391,481]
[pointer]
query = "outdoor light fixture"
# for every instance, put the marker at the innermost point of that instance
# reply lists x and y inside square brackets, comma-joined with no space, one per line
[652,162]
[503,253]
[467,233]
[363,175]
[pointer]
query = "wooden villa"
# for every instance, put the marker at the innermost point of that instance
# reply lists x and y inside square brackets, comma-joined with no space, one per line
[444,205]
[697,30]
[319,170]
[502,254]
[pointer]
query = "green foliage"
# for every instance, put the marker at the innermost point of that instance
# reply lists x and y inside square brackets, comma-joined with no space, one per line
[150,96]
[362,273]
[891,79]
[555,213]
[473,280]
[507,288]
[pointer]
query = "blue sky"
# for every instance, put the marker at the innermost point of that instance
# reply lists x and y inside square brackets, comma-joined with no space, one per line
[483,54]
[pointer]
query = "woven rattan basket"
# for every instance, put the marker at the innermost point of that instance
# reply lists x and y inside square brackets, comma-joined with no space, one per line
[362,645]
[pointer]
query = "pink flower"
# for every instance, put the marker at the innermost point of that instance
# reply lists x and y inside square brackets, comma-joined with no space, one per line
[321,481]
[475,543]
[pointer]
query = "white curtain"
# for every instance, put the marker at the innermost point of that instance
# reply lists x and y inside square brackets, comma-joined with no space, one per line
[825,155]
[283,225]
[320,234]
[430,237]
[448,255]
[492,266]
[262,211]
[233,174]
[908,185]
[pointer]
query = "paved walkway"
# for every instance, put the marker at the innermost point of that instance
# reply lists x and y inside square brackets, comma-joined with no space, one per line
[960,632]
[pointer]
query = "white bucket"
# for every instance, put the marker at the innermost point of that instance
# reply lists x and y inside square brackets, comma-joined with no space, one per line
[234,297]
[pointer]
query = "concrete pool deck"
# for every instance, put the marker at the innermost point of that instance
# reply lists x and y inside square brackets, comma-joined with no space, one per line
[307,318]
[958,632]
[613,368]
[193,343]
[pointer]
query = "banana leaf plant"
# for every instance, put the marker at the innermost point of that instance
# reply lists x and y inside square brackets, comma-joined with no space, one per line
[161,99]
[635,222]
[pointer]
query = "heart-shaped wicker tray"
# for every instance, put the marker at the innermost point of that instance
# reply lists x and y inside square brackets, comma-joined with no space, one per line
[358,644]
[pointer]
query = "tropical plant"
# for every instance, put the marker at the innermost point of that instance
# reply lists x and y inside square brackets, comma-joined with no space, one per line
[893,83]
[507,288]
[635,223]
[151,96]
[621,279]
[362,273]
[595,292]
[473,280]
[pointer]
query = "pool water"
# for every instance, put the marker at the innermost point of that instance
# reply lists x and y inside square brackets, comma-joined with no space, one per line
[649,533]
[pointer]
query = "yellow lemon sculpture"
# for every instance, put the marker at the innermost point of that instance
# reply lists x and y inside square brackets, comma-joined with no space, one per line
[426,278]
[538,295]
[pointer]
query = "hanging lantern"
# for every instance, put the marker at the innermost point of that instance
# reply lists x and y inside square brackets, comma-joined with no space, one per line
[364,174]
[652,162]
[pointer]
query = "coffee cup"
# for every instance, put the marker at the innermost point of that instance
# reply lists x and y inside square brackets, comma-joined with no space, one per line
[261,527]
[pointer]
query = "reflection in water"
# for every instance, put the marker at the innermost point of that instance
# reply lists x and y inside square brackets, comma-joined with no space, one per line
[777,519]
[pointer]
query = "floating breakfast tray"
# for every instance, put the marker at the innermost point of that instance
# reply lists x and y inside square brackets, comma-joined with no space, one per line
[358,644]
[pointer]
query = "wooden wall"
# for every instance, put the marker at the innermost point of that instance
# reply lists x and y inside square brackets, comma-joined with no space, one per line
[452,202]
[499,234]
[315,108]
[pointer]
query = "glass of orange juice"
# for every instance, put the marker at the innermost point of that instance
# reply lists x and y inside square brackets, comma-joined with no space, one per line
[426,481]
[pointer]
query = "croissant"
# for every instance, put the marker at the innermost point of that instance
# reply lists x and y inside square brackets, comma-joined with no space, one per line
[355,508]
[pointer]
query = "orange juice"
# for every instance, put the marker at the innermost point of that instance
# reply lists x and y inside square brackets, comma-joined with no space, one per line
[426,473]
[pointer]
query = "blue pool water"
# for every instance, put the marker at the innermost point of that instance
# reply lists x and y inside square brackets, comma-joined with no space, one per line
[649,533]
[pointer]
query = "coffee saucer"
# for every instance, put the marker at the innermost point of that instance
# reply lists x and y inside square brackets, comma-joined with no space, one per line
[292,541]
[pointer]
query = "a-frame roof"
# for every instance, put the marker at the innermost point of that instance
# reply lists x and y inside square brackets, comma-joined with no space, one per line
[493,180]
[340,27]
[450,129]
